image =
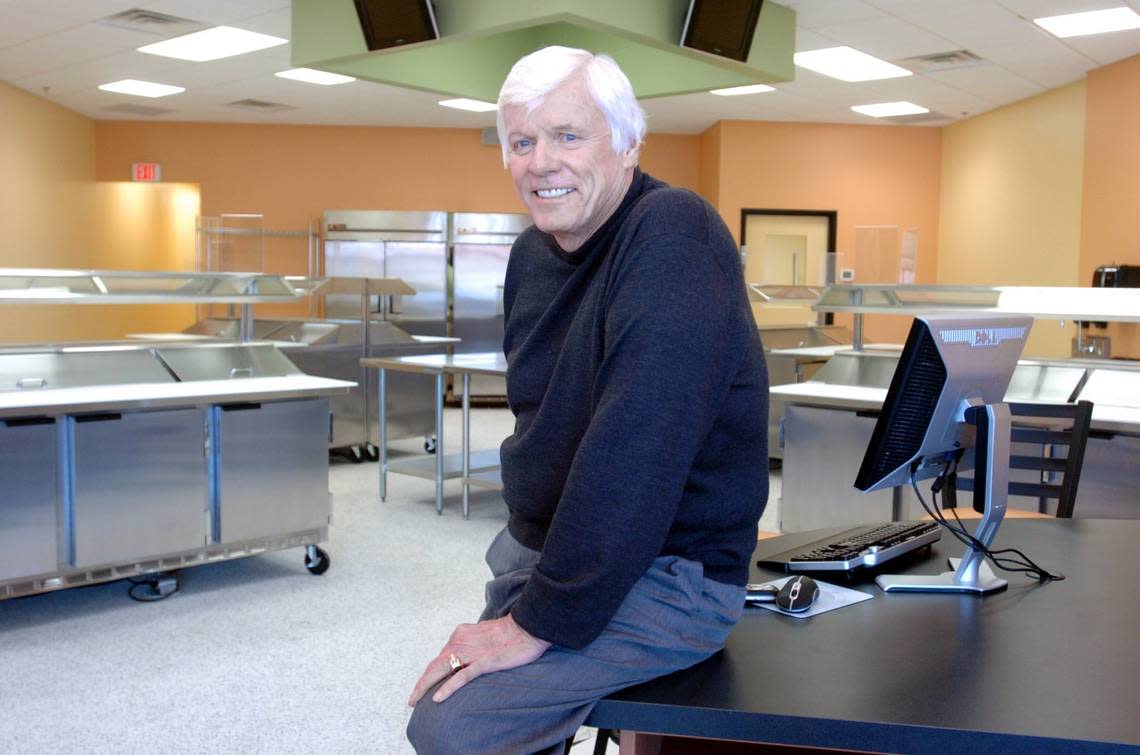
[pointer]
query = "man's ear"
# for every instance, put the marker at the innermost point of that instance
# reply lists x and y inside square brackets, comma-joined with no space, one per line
[630,156]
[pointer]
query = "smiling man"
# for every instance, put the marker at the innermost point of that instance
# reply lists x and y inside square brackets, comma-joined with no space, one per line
[637,470]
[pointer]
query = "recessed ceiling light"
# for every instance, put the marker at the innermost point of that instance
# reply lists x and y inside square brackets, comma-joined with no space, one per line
[311,76]
[211,44]
[749,89]
[1090,22]
[888,109]
[848,64]
[141,88]
[475,106]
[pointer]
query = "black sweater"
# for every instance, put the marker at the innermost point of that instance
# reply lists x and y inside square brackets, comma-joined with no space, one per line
[640,395]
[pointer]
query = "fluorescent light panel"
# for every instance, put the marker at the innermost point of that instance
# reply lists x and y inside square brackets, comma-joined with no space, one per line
[889,109]
[748,89]
[311,76]
[1090,22]
[212,44]
[848,64]
[475,106]
[141,88]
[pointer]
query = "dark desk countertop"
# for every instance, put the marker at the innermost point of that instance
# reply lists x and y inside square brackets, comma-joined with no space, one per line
[1040,668]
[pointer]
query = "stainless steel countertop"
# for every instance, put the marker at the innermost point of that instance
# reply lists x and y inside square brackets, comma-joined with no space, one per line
[1106,417]
[482,363]
[161,395]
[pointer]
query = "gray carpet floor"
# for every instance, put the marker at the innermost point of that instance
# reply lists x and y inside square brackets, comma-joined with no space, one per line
[256,655]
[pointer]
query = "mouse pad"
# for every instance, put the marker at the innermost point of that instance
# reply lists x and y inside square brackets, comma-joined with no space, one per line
[830,597]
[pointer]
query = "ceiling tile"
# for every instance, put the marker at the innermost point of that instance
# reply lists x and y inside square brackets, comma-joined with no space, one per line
[217,12]
[66,48]
[992,84]
[23,20]
[1107,48]
[888,37]
[815,14]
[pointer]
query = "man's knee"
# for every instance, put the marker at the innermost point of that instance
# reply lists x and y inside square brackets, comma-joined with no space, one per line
[422,727]
[434,728]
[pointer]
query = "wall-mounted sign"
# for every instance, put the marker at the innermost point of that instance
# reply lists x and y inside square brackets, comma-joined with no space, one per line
[146,172]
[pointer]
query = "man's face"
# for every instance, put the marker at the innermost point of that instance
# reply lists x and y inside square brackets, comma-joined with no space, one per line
[563,164]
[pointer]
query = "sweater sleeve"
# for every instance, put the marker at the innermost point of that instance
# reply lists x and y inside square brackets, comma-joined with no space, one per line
[667,364]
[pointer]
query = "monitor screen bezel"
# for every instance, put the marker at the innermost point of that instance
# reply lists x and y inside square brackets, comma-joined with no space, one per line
[743,48]
[977,373]
[427,25]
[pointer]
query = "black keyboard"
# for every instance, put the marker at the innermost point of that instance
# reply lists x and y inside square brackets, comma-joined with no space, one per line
[869,545]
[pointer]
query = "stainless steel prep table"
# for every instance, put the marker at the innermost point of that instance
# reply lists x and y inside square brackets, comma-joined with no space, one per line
[156,470]
[124,458]
[479,468]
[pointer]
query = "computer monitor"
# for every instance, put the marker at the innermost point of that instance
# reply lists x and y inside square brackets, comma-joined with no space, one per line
[944,410]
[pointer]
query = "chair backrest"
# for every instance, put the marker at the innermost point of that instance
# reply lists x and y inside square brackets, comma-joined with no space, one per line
[1063,425]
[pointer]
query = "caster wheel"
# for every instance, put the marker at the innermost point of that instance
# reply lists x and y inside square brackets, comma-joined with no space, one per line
[320,565]
[356,454]
[371,452]
[429,444]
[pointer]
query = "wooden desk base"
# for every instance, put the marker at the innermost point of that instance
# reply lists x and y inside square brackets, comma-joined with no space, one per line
[640,743]
[967,512]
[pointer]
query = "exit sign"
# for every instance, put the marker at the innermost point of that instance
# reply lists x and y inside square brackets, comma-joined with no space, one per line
[146,172]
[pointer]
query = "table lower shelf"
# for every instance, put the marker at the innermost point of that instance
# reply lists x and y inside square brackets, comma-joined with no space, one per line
[425,466]
[491,478]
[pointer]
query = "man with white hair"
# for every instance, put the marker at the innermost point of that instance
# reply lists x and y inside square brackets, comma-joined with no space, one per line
[637,470]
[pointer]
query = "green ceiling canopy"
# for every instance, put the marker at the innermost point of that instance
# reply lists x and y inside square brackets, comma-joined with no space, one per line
[481,39]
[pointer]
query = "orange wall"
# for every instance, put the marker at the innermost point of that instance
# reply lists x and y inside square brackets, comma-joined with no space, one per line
[1011,202]
[47,158]
[291,174]
[870,175]
[1110,223]
[55,215]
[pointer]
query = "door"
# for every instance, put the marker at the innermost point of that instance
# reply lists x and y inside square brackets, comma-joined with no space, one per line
[141,485]
[423,266]
[272,469]
[28,505]
[785,250]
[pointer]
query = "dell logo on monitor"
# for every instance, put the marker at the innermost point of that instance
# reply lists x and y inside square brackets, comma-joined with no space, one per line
[981,337]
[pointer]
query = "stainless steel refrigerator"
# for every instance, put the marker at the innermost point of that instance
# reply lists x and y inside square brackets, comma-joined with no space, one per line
[480,246]
[411,246]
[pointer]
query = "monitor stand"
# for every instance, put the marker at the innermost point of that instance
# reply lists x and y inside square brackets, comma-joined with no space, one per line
[991,478]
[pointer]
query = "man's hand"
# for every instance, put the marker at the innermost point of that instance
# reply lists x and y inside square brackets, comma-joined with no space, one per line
[484,647]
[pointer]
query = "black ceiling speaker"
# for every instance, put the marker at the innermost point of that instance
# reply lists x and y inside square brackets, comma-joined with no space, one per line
[391,23]
[721,27]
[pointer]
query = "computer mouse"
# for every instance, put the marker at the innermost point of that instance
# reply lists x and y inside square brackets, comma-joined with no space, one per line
[797,594]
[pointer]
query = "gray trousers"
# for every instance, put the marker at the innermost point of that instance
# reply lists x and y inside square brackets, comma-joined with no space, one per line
[671,619]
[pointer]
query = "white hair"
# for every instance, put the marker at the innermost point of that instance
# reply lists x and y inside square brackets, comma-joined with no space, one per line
[537,74]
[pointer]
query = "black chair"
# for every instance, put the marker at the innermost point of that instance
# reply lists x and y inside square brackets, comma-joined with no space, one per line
[1064,425]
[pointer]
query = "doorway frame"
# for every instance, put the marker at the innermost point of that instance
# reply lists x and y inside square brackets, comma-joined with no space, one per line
[832,231]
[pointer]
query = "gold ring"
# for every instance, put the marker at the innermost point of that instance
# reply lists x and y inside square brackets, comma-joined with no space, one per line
[456,664]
